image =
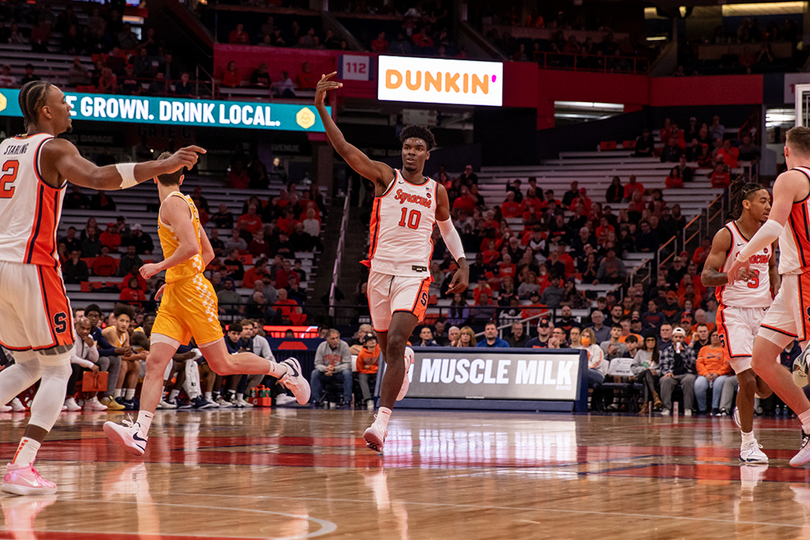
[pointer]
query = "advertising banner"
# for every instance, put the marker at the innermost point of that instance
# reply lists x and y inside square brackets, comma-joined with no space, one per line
[502,374]
[179,112]
[439,80]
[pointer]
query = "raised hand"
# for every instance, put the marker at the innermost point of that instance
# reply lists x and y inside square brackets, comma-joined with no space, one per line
[324,85]
[185,157]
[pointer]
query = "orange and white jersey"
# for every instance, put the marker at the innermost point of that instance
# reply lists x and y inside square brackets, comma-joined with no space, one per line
[401,225]
[794,242]
[754,293]
[29,208]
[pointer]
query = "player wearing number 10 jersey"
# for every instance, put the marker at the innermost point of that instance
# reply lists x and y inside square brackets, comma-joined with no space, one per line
[743,304]
[406,206]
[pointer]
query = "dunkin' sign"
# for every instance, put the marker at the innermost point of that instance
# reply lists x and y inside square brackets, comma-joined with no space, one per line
[437,80]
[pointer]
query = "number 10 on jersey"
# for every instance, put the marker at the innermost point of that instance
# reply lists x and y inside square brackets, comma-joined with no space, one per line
[411,221]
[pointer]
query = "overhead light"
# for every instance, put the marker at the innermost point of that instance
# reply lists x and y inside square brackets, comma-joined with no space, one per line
[763,8]
[590,105]
[657,38]
[652,13]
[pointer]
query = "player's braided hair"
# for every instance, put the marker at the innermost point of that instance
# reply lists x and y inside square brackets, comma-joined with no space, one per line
[419,132]
[739,191]
[32,97]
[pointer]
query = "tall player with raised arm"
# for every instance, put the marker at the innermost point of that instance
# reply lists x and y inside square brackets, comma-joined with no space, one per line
[743,305]
[37,320]
[407,204]
[789,315]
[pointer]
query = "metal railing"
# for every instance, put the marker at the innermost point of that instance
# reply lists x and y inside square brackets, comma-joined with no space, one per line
[715,215]
[344,225]
[686,240]
[592,62]
[662,249]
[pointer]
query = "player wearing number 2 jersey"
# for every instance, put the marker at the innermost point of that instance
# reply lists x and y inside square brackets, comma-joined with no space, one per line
[787,318]
[743,304]
[406,206]
[36,318]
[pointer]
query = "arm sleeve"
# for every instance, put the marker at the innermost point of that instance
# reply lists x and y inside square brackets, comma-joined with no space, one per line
[451,238]
[764,237]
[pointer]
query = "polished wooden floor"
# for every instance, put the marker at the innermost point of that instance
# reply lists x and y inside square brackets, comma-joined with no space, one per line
[301,473]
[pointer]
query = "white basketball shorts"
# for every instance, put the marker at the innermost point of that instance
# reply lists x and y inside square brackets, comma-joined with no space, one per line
[788,317]
[738,327]
[388,294]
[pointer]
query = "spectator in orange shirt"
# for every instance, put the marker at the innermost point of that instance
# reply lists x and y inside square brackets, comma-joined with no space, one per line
[713,369]
[132,294]
[626,323]
[239,36]
[251,221]
[582,198]
[104,265]
[702,252]
[510,208]
[379,45]
[674,179]
[729,154]
[288,310]
[482,287]
[464,202]
[632,186]
[367,362]
[535,308]
[231,77]
[720,178]
[490,254]
[507,268]
[306,80]
[252,275]
[110,237]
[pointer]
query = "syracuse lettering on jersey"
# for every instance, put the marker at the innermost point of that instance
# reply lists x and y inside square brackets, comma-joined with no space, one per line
[759,259]
[407,197]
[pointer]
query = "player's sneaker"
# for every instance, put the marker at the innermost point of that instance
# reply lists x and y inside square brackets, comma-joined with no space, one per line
[93,404]
[71,404]
[242,403]
[803,455]
[375,436]
[26,481]
[409,359]
[200,402]
[751,453]
[128,436]
[17,405]
[284,399]
[295,381]
[800,368]
[111,404]
[163,404]
[222,402]
[5,408]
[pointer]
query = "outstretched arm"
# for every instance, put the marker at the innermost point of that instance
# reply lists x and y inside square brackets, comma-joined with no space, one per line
[379,173]
[60,159]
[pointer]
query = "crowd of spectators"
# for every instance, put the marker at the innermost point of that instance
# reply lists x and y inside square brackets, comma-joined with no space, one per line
[124,62]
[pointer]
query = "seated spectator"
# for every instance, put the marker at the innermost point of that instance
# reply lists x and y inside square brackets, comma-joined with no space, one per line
[713,370]
[233,266]
[285,87]
[632,187]
[748,151]
[510,208]
[132,294]
[110,237]
[332,362]
[306,80]
[647,240]
[517,338]
[75,270]
[466,337]
[644,145]
[686,172]
[85,355]
[614,347]
[367,365]
[720,178]
[615,192]
[141,240]
[674,179]
[678,370]
[104,265]
[237,176]
[231,76]
[78,75]
[184,86]
[239,36]
[260,77]
[401,46]
[130,262]
[251,221]
[672,152]
[553,294]
[459,312]
[254,274]
[223,219]
[491,338]
[611,269]
[729,154]
[426,338]
[230,301]
[380,45]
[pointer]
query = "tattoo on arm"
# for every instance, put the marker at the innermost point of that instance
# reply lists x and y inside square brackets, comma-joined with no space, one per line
[713,278]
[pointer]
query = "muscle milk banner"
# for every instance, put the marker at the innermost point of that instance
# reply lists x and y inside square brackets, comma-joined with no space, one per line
[475,373]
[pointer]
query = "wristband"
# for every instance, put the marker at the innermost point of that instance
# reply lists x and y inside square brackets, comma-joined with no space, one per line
[127,172]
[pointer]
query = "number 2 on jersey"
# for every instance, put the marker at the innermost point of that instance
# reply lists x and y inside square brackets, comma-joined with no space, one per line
[412,221]
[753,283]
[10,169]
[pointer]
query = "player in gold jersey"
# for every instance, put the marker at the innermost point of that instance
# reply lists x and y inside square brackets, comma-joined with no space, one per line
[188,309]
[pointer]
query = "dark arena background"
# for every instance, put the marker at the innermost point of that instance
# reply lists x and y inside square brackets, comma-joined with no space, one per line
[590,151]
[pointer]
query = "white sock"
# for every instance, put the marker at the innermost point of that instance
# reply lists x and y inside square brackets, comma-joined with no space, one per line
[130,393]
[117,393]
[747,437]
[383,416]
[145,421]
[173,394]
[804,418]
[208,396]
[240,397]
[277,370]
[26,452]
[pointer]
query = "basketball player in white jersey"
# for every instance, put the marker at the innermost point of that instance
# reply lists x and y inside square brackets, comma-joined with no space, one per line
[37,322]
[406,205]
[743,304]
[789,316]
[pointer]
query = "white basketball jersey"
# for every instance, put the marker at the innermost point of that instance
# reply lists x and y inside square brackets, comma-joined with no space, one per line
[794,242]
[755,293]
[401,226]
[29,208]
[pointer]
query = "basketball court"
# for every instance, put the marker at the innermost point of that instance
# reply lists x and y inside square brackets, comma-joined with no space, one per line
[301,473]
